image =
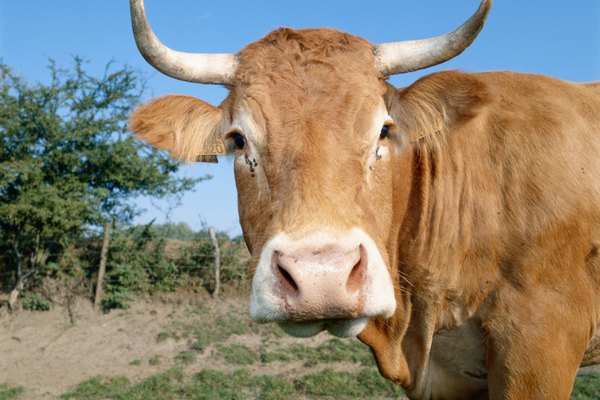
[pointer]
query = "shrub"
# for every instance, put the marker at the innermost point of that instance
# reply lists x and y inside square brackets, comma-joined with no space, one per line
[36,303]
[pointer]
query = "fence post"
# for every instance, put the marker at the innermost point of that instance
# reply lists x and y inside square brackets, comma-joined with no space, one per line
[102,267]
[215,243]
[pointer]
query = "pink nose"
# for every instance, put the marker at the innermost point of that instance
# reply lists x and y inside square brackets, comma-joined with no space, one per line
[321,283]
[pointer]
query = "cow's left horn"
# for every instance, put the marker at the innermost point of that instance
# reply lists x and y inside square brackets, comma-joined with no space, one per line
[399,57]
[192,67]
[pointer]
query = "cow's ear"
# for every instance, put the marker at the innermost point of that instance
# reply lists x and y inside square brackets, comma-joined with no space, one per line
[436,104]
[183,125]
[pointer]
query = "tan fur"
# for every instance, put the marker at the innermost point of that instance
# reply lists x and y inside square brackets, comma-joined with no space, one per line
[487,210]
[182,125]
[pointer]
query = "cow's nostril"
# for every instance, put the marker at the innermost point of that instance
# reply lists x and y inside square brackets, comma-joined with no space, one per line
[356,277]
[288,284]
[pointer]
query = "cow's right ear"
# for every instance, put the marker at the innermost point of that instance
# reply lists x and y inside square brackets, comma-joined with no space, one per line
[183,125]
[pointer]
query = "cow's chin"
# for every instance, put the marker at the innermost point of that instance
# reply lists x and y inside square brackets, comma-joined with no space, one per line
[337,327]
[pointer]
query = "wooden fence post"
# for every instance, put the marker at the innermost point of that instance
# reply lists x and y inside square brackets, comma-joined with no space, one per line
[102,267]
[215,243]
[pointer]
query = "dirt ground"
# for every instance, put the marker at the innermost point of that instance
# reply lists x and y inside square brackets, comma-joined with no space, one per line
[45,353]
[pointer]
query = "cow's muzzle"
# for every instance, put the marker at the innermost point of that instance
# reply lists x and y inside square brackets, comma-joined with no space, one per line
[321,282]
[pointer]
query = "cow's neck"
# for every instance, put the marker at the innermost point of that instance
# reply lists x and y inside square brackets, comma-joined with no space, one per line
[434,232]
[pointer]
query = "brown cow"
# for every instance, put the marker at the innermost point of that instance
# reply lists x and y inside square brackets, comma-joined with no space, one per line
[453,226]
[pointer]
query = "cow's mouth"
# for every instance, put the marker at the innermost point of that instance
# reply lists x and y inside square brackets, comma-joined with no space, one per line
[340,327]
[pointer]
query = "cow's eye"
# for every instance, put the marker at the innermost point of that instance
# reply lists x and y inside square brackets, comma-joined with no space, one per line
[385,132]
[238,139]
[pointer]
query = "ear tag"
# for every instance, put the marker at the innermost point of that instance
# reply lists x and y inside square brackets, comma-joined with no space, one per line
[210,151]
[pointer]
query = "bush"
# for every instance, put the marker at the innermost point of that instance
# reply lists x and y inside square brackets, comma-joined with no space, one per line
[235,260]
[120,283]
[140,261]
[36,303]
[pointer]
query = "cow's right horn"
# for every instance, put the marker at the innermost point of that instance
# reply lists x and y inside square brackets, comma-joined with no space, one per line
[399,57]
[192,67]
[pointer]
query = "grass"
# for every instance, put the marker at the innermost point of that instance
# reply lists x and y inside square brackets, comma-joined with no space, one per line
[587,387]
[8,392]
[340,385]
[241,384]
[186,357]
[155,360]
[238,354]
[215,384]
[162,336]
[98,388]
[237,385]
[165,385]
[334,350]
[329,383]
[208,326]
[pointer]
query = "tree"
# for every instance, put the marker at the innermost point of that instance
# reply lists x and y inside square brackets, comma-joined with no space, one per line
[67,162]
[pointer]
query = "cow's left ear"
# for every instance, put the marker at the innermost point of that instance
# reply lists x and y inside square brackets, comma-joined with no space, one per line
[436,104]
[185,126]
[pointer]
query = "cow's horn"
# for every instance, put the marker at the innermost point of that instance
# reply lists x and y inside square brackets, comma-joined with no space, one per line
[399,57]
[192,67]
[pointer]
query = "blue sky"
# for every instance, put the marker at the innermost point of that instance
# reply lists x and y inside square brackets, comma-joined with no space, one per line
[556,38]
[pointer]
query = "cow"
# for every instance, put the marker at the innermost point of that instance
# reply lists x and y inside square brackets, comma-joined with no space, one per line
[453,226]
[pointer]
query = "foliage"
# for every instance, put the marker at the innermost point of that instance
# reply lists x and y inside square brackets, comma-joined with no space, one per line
[68,163]
[235,260]
[169,230]
[137,263]
[142,260]
[117,290]
[35,303]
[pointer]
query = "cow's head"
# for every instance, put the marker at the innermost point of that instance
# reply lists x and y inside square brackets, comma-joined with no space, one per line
[309,123]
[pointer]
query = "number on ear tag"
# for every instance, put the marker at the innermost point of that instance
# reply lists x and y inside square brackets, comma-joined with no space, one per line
[211,150]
